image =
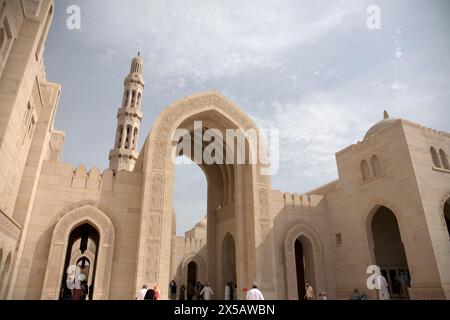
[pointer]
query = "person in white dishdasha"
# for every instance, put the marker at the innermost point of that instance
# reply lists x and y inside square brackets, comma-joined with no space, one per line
[207,292]
[254,293]
[141,294]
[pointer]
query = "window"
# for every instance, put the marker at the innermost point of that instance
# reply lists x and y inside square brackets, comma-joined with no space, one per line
[365,170]
[2,39]
[338,239]
[125,98]
[376,168]
[444,159]
[135,133]
[138,99]
[128,137]
[133,96]
[6,39]
[119,138]
[28,112]
[31,127]
[435,158]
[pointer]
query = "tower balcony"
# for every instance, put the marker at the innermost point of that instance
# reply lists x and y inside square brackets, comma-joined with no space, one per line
[129,111]
[123,154]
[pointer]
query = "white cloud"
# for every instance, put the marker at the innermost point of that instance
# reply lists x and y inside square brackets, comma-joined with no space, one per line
[312,132]
[204,40]
[398,86]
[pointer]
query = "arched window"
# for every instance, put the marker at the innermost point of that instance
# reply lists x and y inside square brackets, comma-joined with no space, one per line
[435,157]
[133,96]
[44,33]
[135,133]
[444,159]
[365,170]
[2,39]
[376,168]
[5,270]
[138,99]
[128,138]
[119,136]
[125,98]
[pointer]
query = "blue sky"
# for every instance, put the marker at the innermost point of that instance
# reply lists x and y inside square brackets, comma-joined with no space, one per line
[311,69]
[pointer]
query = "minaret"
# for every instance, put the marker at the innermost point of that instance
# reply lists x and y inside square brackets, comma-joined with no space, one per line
[124,154]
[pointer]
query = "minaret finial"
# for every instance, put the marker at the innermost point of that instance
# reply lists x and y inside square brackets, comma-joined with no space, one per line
[385,115]
[139,53]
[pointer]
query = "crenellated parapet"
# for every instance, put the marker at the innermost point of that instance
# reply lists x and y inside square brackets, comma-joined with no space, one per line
[194,244]
[60,173]
[306,201]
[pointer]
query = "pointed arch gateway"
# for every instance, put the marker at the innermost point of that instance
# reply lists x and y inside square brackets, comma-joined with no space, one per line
[304,261]
[85,217]
[233,204]
[388,250]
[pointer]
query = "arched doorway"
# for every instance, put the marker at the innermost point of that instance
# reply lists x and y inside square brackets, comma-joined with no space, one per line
[68,220]
[300,269]
[447,214]
[192,273]
[228,263]
[389,251]
[304,264]
[304,261]
[75,285]
[233,204]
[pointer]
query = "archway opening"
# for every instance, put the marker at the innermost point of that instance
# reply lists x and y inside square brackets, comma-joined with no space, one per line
[79,271]
[191,278]
[221,189]
[189,195]
[229,265]
[447,214]
[300,269]
[304,265]
[390,253]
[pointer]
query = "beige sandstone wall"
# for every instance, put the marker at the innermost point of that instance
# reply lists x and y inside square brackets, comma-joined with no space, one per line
[352,205]
[434,188]
[295,215]
[60,187]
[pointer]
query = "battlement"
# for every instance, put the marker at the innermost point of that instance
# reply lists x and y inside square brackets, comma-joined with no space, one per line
[304,201]
[60,173]
[434,133]
[194,243]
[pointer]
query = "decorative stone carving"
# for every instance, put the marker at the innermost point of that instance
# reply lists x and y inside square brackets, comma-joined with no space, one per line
[151,272]
[263,204]
[157,191]
[154,226]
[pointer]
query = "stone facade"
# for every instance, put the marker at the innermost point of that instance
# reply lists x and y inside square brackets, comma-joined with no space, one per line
[396,177]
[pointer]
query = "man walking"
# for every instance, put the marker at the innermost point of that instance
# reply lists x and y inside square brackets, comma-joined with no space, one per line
[254,293]
[207,292]
[383,288]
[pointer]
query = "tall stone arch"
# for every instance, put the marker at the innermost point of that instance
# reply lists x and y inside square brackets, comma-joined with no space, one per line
[59,245]
[252,215]
[301,229]
[367,218]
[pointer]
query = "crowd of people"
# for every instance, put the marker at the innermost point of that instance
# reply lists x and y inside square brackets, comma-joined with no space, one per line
[199,291]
